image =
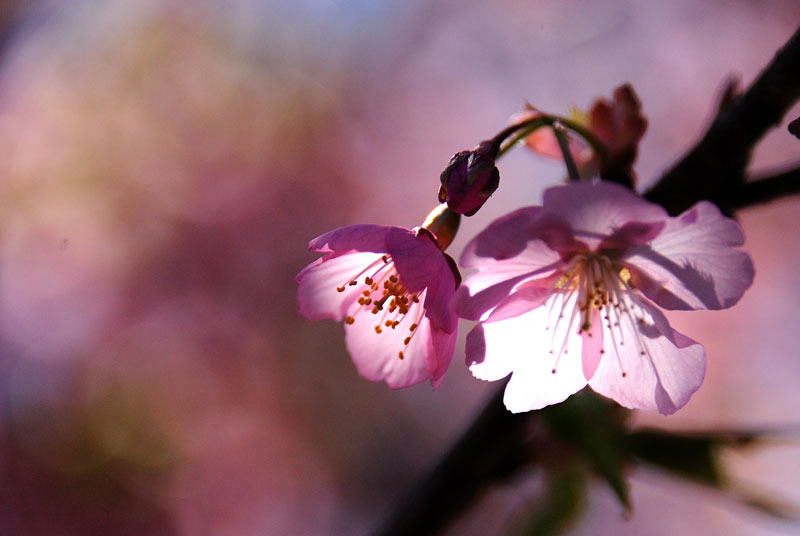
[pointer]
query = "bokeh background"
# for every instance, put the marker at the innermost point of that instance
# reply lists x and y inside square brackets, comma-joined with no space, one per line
[163,165]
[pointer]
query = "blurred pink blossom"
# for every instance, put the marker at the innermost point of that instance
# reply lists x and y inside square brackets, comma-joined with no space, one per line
[585,273]
[618,125]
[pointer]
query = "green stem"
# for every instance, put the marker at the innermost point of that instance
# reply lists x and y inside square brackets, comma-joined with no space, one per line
[523,129]
[561,136]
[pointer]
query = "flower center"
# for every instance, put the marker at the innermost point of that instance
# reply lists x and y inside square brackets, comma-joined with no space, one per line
[596,288]
[383,296]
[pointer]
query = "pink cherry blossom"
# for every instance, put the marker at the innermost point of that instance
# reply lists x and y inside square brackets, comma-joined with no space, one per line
[392,288]
[568,293]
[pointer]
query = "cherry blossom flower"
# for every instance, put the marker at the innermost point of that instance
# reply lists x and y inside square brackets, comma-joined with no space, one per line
[568,293]
[392,287]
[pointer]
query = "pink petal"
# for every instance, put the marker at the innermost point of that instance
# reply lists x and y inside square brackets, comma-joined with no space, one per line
[359,237]
[663,379]
[472,302]
[544,142]
[507,254]
[317,296]
[420,264]
[529,232]
[484,289]
[527,297]
[633,233]
[522,344]
[692,263]
[599,209]
[376,355]
[592,344]
[439,360]
[503,238]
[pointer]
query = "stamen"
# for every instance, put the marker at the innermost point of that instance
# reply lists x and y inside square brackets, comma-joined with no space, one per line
[625,275]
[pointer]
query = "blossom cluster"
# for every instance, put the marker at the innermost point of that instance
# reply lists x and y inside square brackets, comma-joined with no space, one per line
[565,294]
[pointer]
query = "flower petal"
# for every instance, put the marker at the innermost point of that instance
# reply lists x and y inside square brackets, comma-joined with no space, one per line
[692,263]
[647,364]
[529,232]
[527,297]
[421,265]
[317,296]
[509,251]
[503,238]
[439,360]
[523,344]
[598,209]
[359,237]
[591,345]
[472,303]
[377,355]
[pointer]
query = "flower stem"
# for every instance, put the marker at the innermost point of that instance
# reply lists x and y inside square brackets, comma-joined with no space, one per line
[524,128]
[561,136]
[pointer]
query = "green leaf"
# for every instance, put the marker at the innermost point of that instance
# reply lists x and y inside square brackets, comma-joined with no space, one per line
[689,455]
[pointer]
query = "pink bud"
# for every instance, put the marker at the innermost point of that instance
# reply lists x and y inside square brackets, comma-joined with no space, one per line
[469,179]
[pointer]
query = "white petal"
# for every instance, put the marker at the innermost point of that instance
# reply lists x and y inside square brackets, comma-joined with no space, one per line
[692,263]
[647,364]
[599,208]
[377,355]
[317,296]
[523,345]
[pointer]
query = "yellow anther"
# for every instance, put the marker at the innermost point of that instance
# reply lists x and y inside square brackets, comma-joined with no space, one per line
[625,275]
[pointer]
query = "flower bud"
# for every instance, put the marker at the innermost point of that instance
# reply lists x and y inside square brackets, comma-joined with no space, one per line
[470,178]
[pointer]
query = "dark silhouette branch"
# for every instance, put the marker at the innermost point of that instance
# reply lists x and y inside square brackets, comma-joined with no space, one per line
[717,164]
[494,447]
[762,190]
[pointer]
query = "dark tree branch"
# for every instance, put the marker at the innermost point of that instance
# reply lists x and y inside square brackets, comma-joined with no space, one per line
[762,190]
[717,164]
[494,447]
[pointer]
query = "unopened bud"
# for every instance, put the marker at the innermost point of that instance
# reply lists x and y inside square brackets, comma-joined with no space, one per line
[470,178]
[442,223]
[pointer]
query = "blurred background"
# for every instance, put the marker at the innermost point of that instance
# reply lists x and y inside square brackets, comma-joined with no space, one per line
[163,165]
